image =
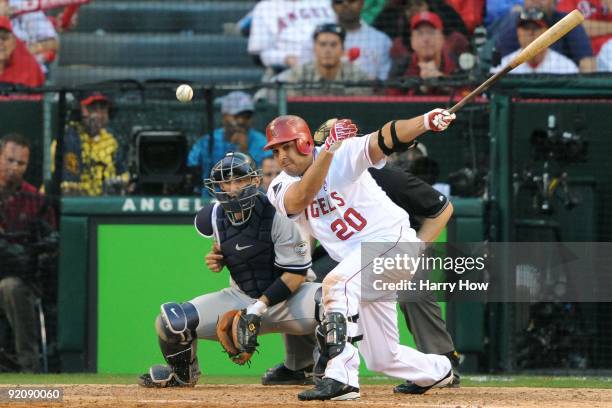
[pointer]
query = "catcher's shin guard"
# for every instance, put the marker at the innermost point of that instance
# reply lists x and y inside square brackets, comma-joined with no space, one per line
[177,340]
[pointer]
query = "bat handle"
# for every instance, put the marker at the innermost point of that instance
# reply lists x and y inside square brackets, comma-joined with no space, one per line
[483,87]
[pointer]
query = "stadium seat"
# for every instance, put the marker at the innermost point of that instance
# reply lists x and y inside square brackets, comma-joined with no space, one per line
[161,16]
[78,75]
[142,40]
[141,50]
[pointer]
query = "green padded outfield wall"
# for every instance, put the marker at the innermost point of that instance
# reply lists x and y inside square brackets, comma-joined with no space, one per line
[141,266]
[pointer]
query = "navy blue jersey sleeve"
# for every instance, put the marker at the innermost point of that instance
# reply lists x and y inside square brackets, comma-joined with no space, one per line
[203,221]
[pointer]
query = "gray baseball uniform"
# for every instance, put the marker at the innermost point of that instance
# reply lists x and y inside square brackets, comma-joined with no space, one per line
[294,317]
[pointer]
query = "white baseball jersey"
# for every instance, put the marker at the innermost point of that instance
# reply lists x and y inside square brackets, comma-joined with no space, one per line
[350,208]
[604,58]
[281,27]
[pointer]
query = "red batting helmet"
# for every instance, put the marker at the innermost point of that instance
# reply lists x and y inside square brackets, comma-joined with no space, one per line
[287,128]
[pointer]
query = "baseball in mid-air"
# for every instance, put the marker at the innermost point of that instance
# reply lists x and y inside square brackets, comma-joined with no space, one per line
[184,93]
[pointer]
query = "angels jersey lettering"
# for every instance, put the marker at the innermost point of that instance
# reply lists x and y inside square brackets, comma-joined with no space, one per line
[350,207]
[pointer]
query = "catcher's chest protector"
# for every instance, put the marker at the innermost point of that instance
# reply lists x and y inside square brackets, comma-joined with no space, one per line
[248,250]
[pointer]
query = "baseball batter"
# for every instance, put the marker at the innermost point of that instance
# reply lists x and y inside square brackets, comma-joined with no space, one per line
[268,260]
[327,190]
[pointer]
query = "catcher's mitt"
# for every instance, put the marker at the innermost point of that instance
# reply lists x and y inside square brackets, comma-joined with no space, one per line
[237,333]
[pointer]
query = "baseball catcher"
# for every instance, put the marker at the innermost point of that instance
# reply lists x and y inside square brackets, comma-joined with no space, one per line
[269,264]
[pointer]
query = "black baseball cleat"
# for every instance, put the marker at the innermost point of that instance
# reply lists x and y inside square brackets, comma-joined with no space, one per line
[411,388]
[330,389]
[281,375]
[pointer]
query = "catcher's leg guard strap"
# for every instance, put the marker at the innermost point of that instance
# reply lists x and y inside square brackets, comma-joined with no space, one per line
[182,359]
[318,301]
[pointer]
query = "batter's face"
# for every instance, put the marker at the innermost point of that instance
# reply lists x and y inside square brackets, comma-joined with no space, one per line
[328,50]
[14,161]
[290,160]
[426,41]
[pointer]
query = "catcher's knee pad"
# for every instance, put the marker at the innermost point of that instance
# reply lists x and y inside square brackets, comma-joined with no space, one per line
[177,322]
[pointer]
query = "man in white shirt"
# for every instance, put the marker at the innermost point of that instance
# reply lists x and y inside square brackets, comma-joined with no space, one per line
[531,24]
[280,28]
[604,58]
[365,46]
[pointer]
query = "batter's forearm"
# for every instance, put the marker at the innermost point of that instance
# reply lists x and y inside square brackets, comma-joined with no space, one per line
[301,194]
[406,130]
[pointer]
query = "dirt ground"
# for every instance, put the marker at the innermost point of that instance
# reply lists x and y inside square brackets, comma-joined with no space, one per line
[373,396]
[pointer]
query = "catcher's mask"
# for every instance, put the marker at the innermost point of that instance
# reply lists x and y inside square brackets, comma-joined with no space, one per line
[237,203]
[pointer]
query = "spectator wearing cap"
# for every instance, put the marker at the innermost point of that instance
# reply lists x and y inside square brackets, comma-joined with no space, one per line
[235,134]
[94,161]
[17,65]
[597,19]
[364,45]
[323,76]
[35,30]
[395,21]
[574,45]
[531,25]
[429,59]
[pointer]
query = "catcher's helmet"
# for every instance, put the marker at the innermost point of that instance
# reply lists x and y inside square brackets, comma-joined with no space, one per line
[233,167]
[286,128]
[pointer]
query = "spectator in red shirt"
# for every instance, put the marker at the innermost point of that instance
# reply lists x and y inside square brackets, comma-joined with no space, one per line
[24,218]
[429,58]
[17,65]
[395,21]
[597,19]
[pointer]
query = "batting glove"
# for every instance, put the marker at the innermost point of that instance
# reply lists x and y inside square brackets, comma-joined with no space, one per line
[438,119]
[341,130]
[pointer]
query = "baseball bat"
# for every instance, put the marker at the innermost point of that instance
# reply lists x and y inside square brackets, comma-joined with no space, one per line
[554,33]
